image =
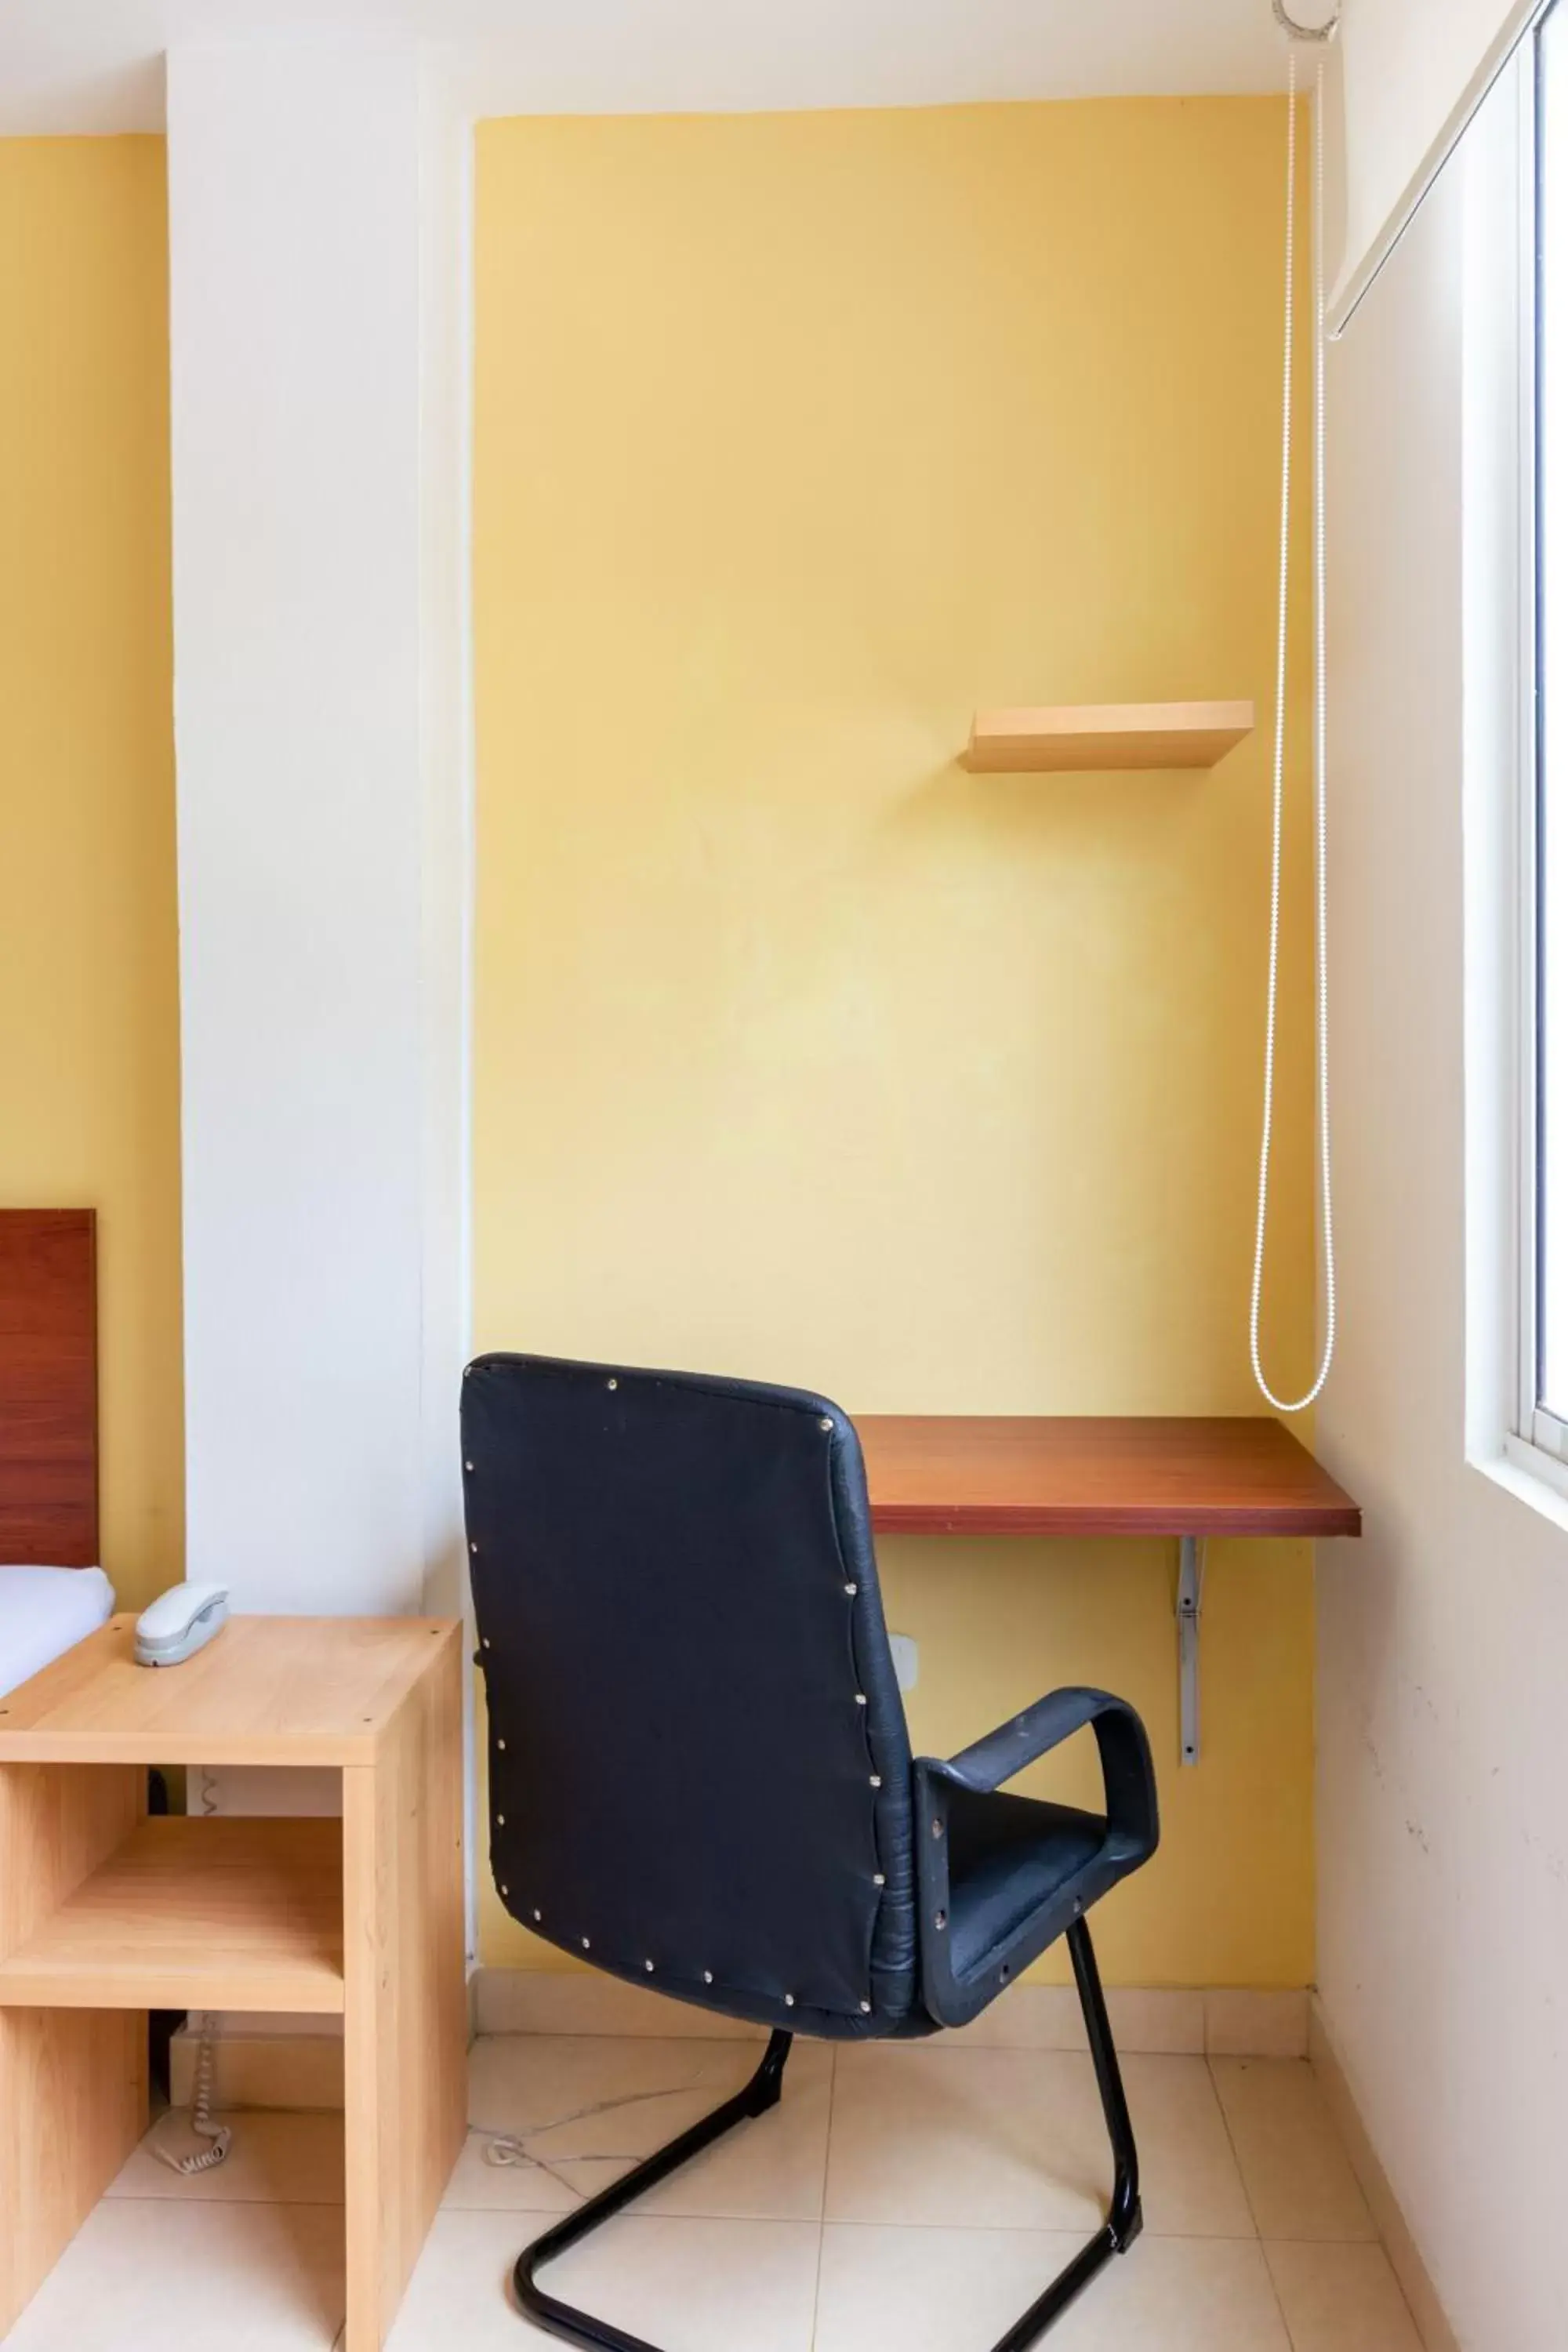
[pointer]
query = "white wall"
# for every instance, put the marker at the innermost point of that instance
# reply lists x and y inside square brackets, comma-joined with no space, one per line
[1443,1635]
[317,226]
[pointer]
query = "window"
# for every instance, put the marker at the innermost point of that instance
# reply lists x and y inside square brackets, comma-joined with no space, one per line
[1543,1354]
[1515,826]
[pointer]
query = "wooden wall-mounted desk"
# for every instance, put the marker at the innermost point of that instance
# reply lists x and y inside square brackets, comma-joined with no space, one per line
[105,1915]
[1052,1476]
[1055,1475]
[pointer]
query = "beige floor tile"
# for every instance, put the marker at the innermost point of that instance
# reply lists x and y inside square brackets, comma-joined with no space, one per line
[1342,2299]
[1015,2139]
[957,2290]
[544,2089]
[706,2286]
[1298,2177]
[155,2276]
[1191,2184]
[275,2159]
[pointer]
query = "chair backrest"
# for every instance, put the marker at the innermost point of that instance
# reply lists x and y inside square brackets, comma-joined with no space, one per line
[698,1764]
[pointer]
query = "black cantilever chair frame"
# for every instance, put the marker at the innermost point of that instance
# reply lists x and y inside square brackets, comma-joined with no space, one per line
[700,1771]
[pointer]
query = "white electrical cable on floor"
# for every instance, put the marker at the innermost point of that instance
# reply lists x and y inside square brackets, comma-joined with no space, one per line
[505,2149]
[1320,755]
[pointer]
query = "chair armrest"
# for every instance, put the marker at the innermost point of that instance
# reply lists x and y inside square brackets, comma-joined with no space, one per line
[1131,1805]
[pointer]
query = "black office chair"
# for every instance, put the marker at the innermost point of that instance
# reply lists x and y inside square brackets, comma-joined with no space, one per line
[699,1772]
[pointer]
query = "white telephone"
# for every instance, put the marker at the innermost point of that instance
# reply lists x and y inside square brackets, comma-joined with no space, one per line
[180,1622]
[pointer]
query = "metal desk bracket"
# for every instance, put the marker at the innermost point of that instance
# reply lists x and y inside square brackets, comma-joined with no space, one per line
[1189,1615]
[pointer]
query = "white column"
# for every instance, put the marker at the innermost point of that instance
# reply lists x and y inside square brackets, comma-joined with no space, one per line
[317,238]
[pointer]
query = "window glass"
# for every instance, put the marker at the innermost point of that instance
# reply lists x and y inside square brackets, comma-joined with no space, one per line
[1551,856]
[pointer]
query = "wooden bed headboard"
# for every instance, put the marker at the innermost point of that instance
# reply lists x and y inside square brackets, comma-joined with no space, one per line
[48,1388]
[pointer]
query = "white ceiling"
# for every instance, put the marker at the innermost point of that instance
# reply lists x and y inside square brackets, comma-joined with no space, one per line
[94,65]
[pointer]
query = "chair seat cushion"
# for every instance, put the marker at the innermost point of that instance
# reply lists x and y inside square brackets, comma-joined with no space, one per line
[45,1610]
[1007,1856]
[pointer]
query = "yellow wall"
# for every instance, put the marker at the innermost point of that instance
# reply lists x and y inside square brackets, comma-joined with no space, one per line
[799,1052]
[88,1003]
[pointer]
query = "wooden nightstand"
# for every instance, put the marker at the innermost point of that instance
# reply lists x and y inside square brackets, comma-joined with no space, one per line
[105,1914]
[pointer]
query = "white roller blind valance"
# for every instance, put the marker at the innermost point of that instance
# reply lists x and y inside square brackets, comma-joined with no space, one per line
[1414,72]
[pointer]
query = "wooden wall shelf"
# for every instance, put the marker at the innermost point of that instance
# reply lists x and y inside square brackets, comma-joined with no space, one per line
[1072,739]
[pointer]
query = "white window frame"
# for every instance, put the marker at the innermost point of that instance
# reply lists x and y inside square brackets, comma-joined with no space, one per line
[1536,1428]
[1534,1440]
[1503,1435]
[1527,880]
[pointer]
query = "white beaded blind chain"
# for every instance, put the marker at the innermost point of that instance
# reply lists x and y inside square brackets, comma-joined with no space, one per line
[1319,757]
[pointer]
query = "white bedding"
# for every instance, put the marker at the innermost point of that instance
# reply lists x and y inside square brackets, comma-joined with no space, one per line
[44,1611]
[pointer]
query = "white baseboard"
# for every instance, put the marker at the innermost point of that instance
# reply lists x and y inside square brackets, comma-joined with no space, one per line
[296,2062]
[1235,2023]
[1431,2320]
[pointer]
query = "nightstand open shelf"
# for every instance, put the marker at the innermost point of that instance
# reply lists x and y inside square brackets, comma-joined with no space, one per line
[222,1913]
